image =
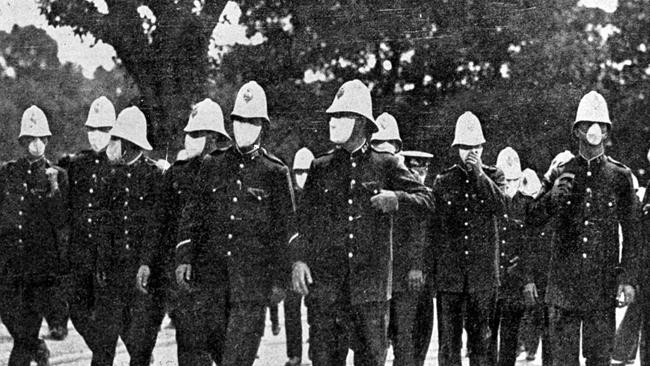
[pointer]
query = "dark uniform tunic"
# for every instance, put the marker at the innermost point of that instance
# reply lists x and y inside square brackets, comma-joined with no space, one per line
[585,269]
[465,238]
[234,234]
[133,240]
[347,245]
[33,239]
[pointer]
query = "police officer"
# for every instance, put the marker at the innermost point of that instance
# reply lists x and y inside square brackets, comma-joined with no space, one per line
[89,217]
[468,199]
[235,231]
[408,257]
[33,236]
[131,252]
[516,292]
[293,301]
[204,133]
[343,251]
[590,195]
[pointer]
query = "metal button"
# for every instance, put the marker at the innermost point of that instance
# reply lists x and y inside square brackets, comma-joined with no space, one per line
[466,223]
[465,209]
[467,181]
[259,198]
[229,236]
[505,228]
[90,205]
[29,171]
[589,173]
[20,213]
[503,254]
[126,189]
[354,165]
[237,181]
[91,191]
[141,198]
[241,166]
[126,232]
[466,237]
[466,195]
[584,255]
[90,236]
[128,175]
[90,221]
[503,241]
[588,190]
[466,252]
[234,199]
[127,246]
[585,239]
[353,182]
[20,241]
[126,203]
[96,161]
[22,198]
[350,218]
[232,217]
[449,203]
[350,201]
[610,204]
[588,204]
[586,222]
[543,233]
[20,227]
[94,176]
[350,255]
[126,217]
[351,236]
[229,253]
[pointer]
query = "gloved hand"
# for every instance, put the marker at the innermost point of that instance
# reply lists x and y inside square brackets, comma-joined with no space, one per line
[530,294]
[625,295]
[562,187]
[142,278]
[416,280]
[385,200]
[53,178]
[301,278]
[183,275]
[277,295]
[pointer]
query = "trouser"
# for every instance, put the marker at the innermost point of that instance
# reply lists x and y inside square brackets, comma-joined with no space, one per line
[120,312]
[336,327]
[293,324]
[22,308]
[598,328]
[505,330]
[535,326]
[58,313]
[423,327]
[479,307]
[274,315]
[403,309]
[626,340]
[210,328]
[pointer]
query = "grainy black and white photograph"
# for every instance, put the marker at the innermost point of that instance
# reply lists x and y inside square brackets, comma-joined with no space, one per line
[324,182]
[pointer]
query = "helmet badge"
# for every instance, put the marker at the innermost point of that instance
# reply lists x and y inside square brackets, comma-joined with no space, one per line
[248,95]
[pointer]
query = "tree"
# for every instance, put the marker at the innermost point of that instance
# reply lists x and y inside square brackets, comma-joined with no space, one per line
[166,55]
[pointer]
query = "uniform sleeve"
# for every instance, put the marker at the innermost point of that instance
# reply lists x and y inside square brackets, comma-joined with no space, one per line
[412,194]
[59,213]
[282,226]
[152,250]
[191,223]
[301,241]
[491,189]
[629,221]
[540,210]
[417,243]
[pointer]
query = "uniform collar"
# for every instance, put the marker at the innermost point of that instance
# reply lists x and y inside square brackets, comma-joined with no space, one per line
[135,160]
[597,160]
[250,154]
[359,152]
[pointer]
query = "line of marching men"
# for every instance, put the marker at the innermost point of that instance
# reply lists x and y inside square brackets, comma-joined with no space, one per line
[362,232]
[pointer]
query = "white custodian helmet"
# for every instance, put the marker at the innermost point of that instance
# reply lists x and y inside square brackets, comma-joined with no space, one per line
[207,116]
[101,113]
[508,161]
[593,108]
[468,131]
[530,184]
[388,129]
[34,123]
[354,97]
[302,160]
[250,102]
[131,125]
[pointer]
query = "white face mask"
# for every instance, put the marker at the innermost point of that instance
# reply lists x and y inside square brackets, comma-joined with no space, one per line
[114,151]
[36,147]
[301,178]
[512,186]
[246,134]
[194,146]
[594,135]
[341,129]
[98,140]
[463,153]
[385,146]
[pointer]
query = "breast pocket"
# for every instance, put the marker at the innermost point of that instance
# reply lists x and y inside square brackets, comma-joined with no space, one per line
[257,201]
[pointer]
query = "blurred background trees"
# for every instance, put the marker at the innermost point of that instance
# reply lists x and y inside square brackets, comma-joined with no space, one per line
[520,65]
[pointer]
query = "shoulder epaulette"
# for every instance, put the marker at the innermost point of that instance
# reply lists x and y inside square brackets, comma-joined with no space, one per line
[327,153]
[271,157]
[616,162]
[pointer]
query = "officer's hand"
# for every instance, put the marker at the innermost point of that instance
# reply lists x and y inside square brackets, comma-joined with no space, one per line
[142,278]
[386,201]
[416,280]
[183,275]
[277,295]
[101,278]
[474,163]
[53,177]
[562,187]
[300,278]
[530,294]
[625,295]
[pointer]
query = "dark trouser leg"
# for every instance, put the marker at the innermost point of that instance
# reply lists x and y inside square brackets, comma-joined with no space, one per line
[423,327]
[450,327]
[480,307]
[329,336]
[293,324]
[564,336]
[57,313]
[511,315]
[532,328]
[19,313]
[100,326]
[627,335]
[201,322]
[140,329]
[273,314]
[403,308]
[598,331]
[244,333]
[370,322]
[547,354]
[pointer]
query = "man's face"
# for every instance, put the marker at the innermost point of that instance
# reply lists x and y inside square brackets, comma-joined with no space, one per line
[593,133]
[246,132]
[512,186]
[34,146]
[465,150]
